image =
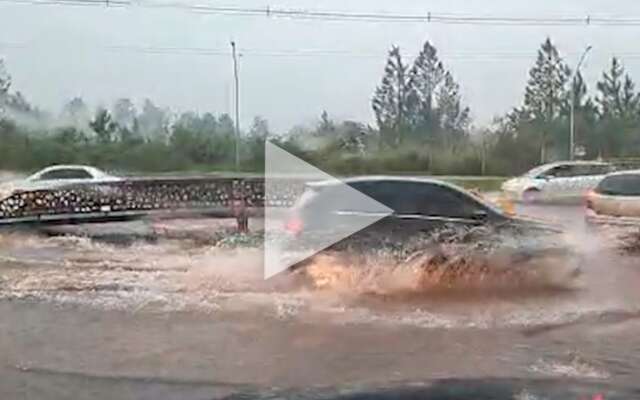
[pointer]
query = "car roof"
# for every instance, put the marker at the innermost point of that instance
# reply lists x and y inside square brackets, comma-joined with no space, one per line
[404,179]
[378,178]
[93,170]
[67,166]
[579,162]
[625,172]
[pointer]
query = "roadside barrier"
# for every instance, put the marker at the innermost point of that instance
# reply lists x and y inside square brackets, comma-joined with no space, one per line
[238,198]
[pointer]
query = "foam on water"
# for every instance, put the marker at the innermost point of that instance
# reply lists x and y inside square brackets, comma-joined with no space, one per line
[575,367]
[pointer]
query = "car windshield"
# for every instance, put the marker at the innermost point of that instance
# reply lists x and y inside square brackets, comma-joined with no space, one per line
[620,185]
[230,257]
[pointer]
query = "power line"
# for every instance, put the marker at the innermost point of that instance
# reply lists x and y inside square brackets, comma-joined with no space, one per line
[323,15]
[304,53]
[106,3]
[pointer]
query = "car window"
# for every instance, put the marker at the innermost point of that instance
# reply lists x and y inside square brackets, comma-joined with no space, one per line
[67,173]
[567,171]
[414,198]
[537,171]
[560,171]
[591,169]
[620,185]
[577,170]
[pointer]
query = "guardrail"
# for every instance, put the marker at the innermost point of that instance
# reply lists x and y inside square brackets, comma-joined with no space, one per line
[129,199]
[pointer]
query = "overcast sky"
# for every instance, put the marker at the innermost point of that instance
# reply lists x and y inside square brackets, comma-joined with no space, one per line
[56,52]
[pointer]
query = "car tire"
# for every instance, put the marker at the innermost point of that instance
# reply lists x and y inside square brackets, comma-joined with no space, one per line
[531,196]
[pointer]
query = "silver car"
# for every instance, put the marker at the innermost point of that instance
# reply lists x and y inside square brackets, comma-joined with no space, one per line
[616,200]
[557,182]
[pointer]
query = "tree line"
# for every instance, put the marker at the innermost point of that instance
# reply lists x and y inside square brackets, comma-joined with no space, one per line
[422,125]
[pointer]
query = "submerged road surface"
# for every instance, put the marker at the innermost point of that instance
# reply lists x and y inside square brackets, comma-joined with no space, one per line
[176,318]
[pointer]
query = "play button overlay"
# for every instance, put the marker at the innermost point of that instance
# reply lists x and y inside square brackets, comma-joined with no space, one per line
[329,210]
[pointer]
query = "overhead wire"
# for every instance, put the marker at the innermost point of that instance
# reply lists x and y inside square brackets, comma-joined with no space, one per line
[302,53]
[353,16]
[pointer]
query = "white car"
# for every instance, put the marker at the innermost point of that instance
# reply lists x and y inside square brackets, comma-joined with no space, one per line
[55,176]
[559,181]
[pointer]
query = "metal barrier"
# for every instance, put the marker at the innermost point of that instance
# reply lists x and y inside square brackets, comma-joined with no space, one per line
[129,199]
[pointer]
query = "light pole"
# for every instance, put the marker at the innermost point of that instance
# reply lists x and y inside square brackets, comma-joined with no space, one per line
[572,122]
[237,104]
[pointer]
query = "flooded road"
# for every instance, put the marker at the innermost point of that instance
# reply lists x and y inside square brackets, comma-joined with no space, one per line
[175,317]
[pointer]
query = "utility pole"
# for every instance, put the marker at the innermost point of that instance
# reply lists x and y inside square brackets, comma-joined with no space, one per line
[237,103]
[572,123]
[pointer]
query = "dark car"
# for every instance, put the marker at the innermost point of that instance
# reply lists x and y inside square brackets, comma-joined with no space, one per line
[425,214]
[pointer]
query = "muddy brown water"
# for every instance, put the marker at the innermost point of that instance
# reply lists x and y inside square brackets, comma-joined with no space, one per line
[176,318]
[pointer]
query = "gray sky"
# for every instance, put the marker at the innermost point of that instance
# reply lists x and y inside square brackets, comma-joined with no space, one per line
[57,52]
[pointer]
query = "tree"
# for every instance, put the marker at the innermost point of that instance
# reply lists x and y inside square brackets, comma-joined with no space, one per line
[546,93]
[326,126]
[618,108]
[391,98]
[125,116]
[352,136]
[76,113]
[103,125]
[454,117]
[259,127]
[153,121]
[5,85]
[18,103]
[616,93]
[424,100]
[585,117]
[425,78]
[226,125]
[124,113]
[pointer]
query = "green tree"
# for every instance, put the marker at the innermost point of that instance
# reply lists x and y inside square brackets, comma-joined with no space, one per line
[454,117]
[546,95]
[618,108]
[586,118]
[425,79]
[103,126]
[391,98]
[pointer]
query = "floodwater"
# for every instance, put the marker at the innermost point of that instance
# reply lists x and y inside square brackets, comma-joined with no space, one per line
[175,317]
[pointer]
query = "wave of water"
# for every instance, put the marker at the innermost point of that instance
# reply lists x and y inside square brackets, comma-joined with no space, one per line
[177,276]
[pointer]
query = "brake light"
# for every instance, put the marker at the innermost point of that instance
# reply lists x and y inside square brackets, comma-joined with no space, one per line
[294,225]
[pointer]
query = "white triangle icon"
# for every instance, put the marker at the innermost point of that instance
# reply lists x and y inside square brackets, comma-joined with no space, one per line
[284,170]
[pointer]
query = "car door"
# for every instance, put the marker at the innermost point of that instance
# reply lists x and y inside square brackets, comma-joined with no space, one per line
[561,182]
[581,178]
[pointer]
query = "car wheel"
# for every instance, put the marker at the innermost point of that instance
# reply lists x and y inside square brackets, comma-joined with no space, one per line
[531,196]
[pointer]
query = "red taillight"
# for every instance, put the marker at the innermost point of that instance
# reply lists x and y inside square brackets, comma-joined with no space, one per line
[294,225]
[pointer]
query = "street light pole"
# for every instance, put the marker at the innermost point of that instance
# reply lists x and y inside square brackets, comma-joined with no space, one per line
[237,104]
[572,123]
